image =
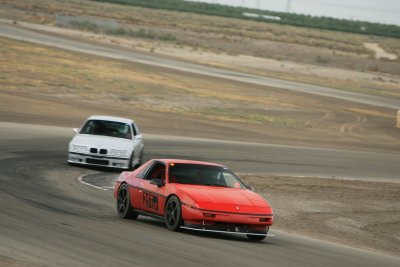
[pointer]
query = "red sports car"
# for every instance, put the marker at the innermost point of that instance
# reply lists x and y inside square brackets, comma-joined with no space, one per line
[193,195]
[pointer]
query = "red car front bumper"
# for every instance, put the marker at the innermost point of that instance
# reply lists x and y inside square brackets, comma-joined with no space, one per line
[227,222]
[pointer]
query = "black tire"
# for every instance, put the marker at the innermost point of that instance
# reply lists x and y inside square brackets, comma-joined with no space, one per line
[124,208]
[173,214]
[131,167]
[140,159]
[256,237]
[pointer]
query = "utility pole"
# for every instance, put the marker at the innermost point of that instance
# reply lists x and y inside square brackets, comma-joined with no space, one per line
[289,6]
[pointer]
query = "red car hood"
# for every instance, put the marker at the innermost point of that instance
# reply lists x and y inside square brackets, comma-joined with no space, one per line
[225,199]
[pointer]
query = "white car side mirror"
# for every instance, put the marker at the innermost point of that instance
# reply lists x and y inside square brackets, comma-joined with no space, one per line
[139,136]
[76,130]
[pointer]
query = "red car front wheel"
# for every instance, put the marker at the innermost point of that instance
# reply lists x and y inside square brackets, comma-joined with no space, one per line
[173,214]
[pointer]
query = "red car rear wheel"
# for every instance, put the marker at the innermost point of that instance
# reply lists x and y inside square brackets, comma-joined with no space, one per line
[124,208]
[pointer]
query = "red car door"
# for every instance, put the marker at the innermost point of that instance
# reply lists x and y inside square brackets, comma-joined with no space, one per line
[153,195]
[136,192]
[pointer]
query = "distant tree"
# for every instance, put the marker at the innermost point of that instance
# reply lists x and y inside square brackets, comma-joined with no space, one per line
[285,18]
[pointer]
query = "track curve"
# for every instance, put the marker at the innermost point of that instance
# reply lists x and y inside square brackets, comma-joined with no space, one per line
[49,218]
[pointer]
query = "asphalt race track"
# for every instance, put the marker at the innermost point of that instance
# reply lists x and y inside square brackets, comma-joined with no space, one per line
[49,218]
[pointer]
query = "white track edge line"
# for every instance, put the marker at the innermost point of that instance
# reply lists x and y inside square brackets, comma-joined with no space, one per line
[95,186]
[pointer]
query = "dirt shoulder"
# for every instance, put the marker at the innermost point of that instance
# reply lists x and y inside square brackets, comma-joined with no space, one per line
[354,213]
[66,87]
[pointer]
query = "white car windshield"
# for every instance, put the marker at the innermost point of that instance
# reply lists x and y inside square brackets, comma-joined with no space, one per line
[107,128]
[197,174]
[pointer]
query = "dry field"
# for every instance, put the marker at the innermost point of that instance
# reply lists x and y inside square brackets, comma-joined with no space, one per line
[39,84]
[339,60]
[354,213]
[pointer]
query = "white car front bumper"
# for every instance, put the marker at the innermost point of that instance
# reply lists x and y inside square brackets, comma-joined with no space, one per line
[87,159]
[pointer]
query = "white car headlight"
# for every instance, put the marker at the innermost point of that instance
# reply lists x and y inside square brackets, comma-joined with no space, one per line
[118,153]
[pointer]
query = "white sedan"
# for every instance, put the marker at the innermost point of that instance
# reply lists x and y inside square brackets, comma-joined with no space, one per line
[107,141]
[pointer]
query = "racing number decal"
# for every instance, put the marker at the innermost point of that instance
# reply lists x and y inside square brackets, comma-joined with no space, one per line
[150,201]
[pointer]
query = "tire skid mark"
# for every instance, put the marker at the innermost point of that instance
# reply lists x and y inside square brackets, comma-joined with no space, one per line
[348,128]
[314,122]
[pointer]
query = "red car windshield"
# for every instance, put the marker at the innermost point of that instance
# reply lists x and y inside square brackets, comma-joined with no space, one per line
[205,175]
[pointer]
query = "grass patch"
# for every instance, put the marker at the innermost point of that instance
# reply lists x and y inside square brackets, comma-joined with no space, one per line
[140,33]
[321,60]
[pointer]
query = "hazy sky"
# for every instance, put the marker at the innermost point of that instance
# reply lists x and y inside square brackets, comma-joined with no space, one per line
[383,11]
